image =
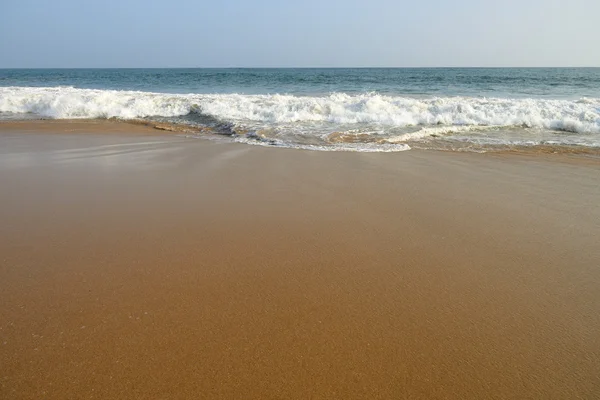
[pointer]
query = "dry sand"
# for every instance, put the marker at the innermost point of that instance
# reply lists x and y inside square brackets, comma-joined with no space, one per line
[142,265]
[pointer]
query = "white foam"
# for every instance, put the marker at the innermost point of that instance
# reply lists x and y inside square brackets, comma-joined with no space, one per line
[351,147]
[432,131]
[263,111]
[68,102]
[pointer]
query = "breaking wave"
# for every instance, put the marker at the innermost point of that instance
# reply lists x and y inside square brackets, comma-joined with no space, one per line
[318,115]
[581,116]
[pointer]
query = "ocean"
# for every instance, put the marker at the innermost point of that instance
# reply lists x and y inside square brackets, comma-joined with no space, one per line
[363,109]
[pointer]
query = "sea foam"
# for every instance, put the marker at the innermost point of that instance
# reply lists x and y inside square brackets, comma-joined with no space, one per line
[265,111]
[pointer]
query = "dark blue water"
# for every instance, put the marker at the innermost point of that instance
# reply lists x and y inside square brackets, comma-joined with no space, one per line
[559,83]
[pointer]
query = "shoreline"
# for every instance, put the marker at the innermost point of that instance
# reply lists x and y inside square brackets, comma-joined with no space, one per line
[143,264]
[95,126]
[137,126]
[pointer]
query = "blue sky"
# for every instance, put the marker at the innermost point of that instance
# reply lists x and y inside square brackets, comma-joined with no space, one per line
[325,33]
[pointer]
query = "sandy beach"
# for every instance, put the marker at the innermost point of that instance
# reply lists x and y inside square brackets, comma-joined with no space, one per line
[138,264]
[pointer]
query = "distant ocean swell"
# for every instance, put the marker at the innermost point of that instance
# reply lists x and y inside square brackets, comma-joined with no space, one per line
[328,120]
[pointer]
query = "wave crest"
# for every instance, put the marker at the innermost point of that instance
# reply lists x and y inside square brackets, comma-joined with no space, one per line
[259,111]
[68,102]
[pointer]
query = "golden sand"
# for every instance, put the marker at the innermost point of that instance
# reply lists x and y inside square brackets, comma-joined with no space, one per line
[145,265]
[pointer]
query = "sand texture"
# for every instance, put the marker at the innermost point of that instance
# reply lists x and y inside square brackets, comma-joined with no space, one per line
[136,264]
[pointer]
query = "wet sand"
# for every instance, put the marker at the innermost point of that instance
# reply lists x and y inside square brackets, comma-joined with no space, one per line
[139,264]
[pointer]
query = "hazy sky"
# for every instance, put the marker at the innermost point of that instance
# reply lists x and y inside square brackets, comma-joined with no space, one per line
[279,33]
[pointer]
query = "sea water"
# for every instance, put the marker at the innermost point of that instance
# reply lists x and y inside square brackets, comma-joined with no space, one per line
[478,109]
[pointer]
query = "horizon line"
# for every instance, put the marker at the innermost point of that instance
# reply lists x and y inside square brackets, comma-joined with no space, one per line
[315,67]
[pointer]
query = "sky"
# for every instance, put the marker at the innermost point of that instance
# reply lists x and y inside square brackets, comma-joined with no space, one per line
[307,33]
